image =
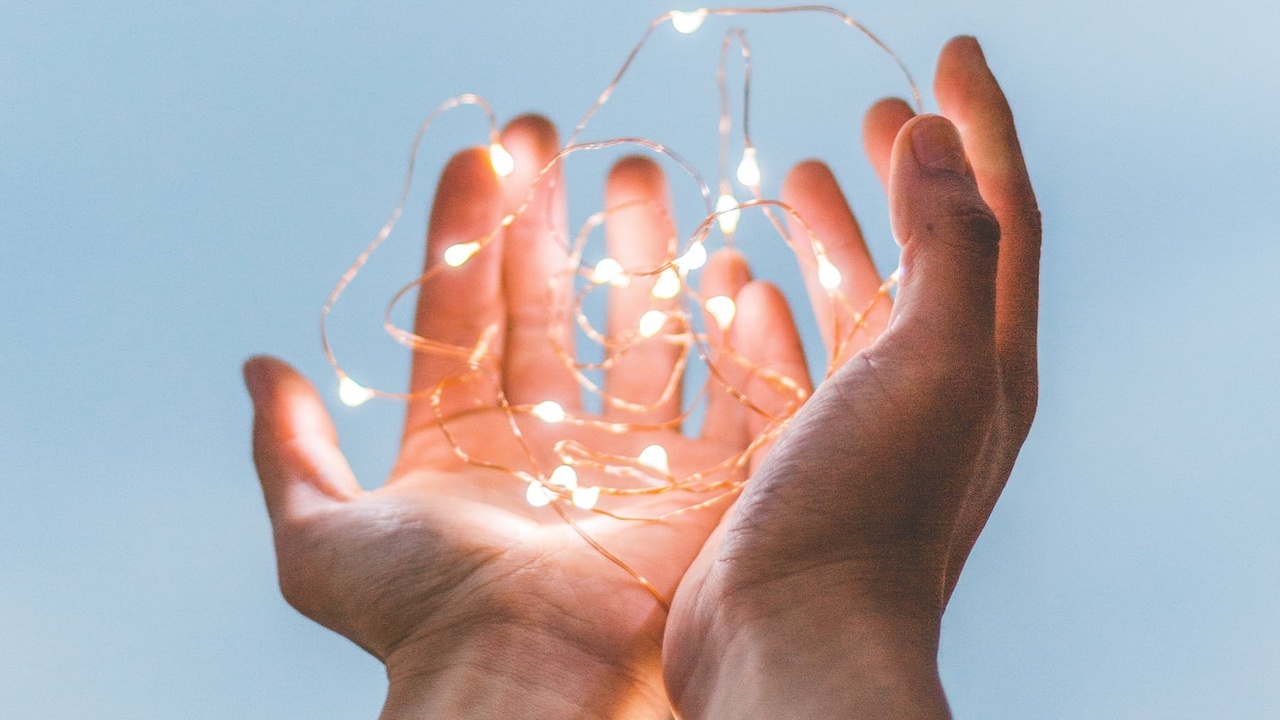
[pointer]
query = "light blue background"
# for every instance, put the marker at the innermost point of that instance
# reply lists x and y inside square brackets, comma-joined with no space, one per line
[180,184]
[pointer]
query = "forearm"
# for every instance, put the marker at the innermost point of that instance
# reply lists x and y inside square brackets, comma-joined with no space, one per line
[510,674]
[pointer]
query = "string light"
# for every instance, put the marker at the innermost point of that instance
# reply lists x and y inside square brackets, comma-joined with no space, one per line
[458,255]
[668,285]
[652,322]
[564,476]
[687,22]
[828,273]
[727,213]
[722,308]
[585,498]
[694,258]
[501,160]
[749,168]
[352,393]
[588,479]
[549,411]
[609,271]
[537,495]
[655,456]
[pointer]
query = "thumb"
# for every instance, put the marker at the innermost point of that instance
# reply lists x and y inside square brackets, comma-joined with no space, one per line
[950,238]
[295,445]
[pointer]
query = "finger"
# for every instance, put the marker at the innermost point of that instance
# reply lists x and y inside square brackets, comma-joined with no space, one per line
[880,129]
[533,270]
[950,241]
[811,189]
[640,236]
[765,334]
[295,446]
[725,274]
[458,305]
[969,95]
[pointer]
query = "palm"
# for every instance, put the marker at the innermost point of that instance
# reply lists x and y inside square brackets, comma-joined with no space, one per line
[446,546]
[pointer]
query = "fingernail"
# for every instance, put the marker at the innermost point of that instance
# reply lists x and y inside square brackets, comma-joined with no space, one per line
[937,145]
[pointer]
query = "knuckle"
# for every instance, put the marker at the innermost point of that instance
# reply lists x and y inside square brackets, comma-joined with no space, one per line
[975,223]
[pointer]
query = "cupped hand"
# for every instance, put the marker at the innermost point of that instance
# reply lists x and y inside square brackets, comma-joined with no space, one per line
[822,592]
[480,605]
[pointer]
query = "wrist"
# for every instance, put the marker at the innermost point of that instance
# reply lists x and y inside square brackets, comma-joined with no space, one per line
[813,659]
[505,671]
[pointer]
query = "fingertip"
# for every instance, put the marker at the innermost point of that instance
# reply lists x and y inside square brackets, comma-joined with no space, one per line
[254,371]
[964,46]
[763,318]
[963,75]
[884,120]
[637,174]
[469,171]
[532,140]
[932,143]
[764,331]
[805,176]
[531,132]
[727,268]
[811,190]
[294,441]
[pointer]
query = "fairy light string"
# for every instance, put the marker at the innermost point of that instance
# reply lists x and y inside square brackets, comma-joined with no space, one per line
[584,479]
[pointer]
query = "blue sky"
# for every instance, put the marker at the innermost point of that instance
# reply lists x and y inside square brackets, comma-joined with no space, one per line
[181,183]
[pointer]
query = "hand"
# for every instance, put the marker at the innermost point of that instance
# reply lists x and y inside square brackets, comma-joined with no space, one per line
[480,605]
[822,592]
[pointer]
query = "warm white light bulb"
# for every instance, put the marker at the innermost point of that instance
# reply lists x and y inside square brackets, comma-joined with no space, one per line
[896,275]
[722,308]
[537,494]
[828,274]
[655,456]
[693,258]
[501,160]
[586,497]
[609,271]
[564,476]
[549,411]
[651,323]
[668,285]
[749,168]
[353,393]
[727,206]
[456,255]
[687,21]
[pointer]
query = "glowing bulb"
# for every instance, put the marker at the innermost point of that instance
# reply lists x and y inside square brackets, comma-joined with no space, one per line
[722,308]
[501,160]
[749,169]
[549,411]
[651,323]
[655,456]
[564,476]
[537,494]
[353,393]
[456,255]
[727,206]
[693,258]
[687,21]
[586,498]
[609,271]
[667,286]
[896,275]
[828,274]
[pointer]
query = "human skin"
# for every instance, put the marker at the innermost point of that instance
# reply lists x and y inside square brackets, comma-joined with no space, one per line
[822,593]
[482,607]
